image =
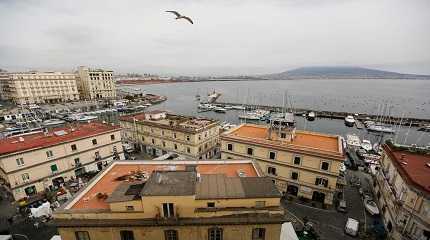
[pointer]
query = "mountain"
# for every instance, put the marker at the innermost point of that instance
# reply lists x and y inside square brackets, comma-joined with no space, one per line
[341,73]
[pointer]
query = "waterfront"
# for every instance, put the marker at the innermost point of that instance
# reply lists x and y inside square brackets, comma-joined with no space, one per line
[408,97]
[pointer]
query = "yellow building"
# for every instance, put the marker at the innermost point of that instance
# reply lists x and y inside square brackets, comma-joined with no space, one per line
[402,189]
[32,163]
[39,87]
[96,83]
[303,164]
[202,200]
[157,132]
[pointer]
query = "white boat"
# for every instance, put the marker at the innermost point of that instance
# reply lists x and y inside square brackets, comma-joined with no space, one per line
[85,118]
[212,97]
[366,145]
[52,122]
[349,121]
[206,106]
[353,140]
[238,107]
[219,110]
[370,206]
[250,116]
[311,116]
[380,128]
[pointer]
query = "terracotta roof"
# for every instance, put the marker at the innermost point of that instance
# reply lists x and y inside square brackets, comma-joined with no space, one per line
[108,181]
[413,167]
[309,140]
[130,117]
[54,136]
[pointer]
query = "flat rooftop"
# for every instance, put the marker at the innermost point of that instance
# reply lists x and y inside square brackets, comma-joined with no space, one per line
[121,172]
[303,139]
[414,167]
[171,120]
[54,136]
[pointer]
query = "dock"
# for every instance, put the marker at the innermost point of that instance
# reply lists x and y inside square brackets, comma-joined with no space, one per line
[406,121]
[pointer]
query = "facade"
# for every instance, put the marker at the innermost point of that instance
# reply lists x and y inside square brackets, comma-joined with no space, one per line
[158,133]
[96,83]
[402,189]
[303,164]
[174,200]
[32,163]
[38,87]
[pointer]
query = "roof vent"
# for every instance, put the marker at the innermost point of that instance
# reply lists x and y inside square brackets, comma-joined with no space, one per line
[428,164]
[405,163]
[21,139]
[60,133]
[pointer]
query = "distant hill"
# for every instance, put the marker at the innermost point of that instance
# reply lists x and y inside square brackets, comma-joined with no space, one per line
[341,73]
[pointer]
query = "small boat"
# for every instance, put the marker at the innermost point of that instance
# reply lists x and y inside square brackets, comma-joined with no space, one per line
[250,116]
[85,118]
[353,140]
[219,110]
[370,206]
[228,107]
[349,121]
[424,128]
[310,116]
[238,107]
[52,122]
[380,128]
[366,145]
[212,97]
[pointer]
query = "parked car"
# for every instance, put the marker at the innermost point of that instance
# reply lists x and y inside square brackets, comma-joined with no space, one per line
[342,206]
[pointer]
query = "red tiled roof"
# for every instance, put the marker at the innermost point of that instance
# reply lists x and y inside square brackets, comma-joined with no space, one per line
[108,183]
[40,140]
[129,118]
[413,167]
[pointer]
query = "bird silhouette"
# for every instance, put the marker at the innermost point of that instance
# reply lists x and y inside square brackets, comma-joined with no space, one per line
[179,16]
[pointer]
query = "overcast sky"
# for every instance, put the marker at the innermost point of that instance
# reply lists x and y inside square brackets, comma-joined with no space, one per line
[228,37]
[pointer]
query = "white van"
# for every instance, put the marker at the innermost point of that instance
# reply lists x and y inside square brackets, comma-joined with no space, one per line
[351,227]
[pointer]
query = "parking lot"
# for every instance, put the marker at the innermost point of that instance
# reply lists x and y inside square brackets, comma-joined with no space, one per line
[329,223]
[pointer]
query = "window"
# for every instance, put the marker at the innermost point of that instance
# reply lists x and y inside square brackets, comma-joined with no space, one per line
[297,160]
[20,161]
[200,137]
[170,235]
[54,168]
[211,204]
[258,233]
[77,161]
[129,208]
[283,135]
[188,150]
[126,235]
[164,143]
[153,141]
[73,147]
[230,147]
[168,210]
[294,175]
[200,149]
[49,154]
[174,135]
[215,234]
[143,139]
[162,132]
[325,165]
[271,171]
[272,155]
[188,138]
[321,181]
[112,137]
[250,151]
[25,177]
[260,204]
[176,146]
[82,235]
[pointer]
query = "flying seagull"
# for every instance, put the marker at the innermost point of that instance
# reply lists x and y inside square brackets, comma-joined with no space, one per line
[179,16]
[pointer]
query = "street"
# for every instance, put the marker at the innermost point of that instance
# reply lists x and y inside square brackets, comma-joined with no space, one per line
[329,223]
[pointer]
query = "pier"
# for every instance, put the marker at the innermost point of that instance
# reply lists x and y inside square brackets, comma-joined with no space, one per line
[405,121]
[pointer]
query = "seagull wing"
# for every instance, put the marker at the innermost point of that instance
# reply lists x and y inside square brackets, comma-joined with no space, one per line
[189,19]
[175,12]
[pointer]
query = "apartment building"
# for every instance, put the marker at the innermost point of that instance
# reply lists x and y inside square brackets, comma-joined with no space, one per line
[96,83]
[30,164]
[157,133]
[304,164]
[38,87]
[402,189]
[173,200]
